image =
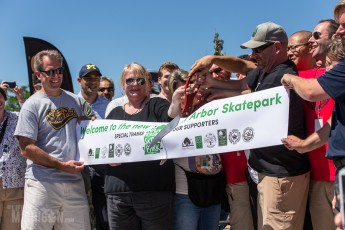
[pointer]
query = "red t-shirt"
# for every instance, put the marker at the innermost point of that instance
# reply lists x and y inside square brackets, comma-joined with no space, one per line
[322,169]
[234,165]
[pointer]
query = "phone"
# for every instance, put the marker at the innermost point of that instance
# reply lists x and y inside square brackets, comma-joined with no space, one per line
[11,84]
[341,177]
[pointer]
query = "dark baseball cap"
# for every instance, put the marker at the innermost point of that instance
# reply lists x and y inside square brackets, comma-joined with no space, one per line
[88,68]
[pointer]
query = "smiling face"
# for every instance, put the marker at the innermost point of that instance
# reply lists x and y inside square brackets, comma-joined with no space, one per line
[299,50]
[50,84]
[319,44]
[134,87]
[90,83]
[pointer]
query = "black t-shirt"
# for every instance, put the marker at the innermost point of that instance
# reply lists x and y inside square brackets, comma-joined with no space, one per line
[333,82]
[146,175]
[277,160]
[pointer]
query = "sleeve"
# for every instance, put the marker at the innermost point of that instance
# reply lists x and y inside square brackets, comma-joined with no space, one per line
[333,82]
[161,107]
[27,125]
[87,109]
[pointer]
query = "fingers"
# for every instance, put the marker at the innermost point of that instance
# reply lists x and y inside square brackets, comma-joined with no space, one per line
[115,164]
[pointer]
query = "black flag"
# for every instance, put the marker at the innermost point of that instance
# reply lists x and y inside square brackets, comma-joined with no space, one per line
[35,45]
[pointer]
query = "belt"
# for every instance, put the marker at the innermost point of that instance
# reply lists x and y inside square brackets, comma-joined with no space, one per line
[339,162]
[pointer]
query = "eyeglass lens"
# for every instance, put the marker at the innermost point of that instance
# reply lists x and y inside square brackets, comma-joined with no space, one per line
[139,81]
[53,71]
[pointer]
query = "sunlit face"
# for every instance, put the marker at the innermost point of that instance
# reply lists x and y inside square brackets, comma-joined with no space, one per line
[219,73]
[164,81]
[106,89]
[50,84]
[319,46]
[341,29]
[266,58]
[135,90]
[90,83]
[298,50]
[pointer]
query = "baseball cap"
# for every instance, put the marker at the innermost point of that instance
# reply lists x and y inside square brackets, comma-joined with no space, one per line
[88,68]
[265,33]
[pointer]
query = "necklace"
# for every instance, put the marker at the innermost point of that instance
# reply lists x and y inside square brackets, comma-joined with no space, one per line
[136,111]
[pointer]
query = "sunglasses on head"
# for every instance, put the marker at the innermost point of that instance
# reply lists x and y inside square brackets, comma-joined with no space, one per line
[51,72]
[139,81]
[109,89]
[262,48]
[316,35]
[217,70]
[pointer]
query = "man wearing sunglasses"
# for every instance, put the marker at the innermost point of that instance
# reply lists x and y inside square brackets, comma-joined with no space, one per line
[317,114]
[106,88]
[283,174]
[322,36]
[329,85]
[89,80]
[54,194]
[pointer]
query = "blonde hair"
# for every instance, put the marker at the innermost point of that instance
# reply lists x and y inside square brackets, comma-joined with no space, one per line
[336,50]
[337,8]
[135,68]
[178,76]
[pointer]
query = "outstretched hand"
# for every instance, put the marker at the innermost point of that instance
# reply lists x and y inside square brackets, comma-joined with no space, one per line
[294,143]
[202,65]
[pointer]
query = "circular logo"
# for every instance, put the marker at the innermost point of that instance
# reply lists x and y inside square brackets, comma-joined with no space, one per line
[234,136]
[248,134]
[210,140]
[127,149]
[118,150]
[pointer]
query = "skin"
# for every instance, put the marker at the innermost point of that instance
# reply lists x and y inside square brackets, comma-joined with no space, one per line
[164,81]
[89,86]
[319,46]
[51,87]
[222,75]
[302,57]
[107,94]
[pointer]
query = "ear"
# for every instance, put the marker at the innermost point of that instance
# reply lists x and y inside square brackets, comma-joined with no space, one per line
[159,80]
[38,75]
[79,80]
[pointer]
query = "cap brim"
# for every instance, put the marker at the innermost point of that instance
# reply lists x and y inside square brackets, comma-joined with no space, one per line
[251,44]
[87,72]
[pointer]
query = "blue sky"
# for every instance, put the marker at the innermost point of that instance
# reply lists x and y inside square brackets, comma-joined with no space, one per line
[111,33]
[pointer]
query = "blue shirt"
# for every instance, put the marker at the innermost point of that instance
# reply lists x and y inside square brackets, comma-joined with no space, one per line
[98,106]
[333,83]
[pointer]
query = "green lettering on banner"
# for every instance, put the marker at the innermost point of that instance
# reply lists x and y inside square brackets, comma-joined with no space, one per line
[148,137]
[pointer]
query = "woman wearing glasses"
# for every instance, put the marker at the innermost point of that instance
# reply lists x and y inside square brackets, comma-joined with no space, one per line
[140,194]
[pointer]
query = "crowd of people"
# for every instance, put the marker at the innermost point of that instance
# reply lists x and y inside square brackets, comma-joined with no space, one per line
[290,186]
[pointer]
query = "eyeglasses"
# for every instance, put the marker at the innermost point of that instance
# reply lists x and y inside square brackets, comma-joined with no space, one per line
[51,72]
[292,48]
[262,48]
[316,35]
[109,89]
[217,70]
[139,81]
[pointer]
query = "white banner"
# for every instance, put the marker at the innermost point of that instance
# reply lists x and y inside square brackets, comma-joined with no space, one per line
[249,121]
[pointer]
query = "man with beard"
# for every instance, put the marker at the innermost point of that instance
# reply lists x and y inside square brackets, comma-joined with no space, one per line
[283,174]
[322,36]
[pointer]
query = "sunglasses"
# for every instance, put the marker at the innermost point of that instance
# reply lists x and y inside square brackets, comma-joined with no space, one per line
[51,72]
[262,48]
[139,81]
[316,35]
[217,70]
[109,89]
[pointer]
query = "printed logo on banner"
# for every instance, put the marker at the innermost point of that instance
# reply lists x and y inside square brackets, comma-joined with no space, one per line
[198,142]
[210,140]
[118,150]
[248,134]
[97,153]
[104,152]
[234,136]
[187,143]
[111,151]
[91,153]
[222,137]
[127,149]
[148,137]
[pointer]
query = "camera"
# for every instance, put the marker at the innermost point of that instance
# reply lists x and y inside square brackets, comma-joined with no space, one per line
[11,84]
